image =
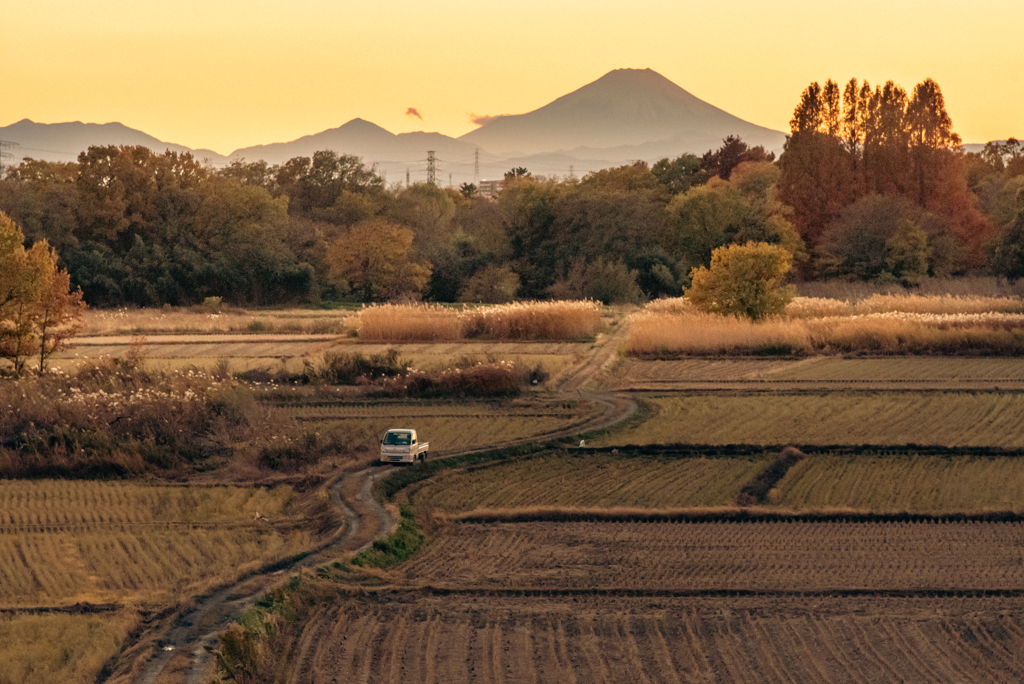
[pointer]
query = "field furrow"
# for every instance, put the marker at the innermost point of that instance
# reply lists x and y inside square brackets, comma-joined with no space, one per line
[881,418]
[760,556]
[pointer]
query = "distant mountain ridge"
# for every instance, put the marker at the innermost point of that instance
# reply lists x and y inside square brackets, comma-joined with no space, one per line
[64,141]
[626,115]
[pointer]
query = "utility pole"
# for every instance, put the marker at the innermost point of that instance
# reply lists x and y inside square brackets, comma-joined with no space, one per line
[431,170]
[476,168]
[449,180]
[5,145]
[406,177]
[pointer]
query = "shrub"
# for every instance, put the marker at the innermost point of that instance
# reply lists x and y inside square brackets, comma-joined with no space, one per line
[744,280]
[491,379]
[347,369]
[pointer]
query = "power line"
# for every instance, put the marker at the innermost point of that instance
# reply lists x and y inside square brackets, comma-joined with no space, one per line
[431,179]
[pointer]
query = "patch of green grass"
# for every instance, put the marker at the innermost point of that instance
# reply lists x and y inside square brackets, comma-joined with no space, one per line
[406,540]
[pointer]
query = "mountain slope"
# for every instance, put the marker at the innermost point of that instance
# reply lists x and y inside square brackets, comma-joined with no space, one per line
[64,141]
[625,107]
[363,139]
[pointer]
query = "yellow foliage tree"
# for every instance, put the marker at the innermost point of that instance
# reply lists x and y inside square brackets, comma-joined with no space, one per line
[373,258]
[744,280]
[38,310]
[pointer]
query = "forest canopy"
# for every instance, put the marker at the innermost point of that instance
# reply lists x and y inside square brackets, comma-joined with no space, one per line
[872,184]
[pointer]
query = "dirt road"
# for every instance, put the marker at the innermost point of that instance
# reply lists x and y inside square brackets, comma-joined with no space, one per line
[195,633]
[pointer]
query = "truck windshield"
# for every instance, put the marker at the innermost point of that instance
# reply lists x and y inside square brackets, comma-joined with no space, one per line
[399,438]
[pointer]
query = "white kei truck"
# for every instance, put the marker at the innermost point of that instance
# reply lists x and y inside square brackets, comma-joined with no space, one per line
[400,445]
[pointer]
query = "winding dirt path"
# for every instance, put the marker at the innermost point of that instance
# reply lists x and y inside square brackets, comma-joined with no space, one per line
[195,632]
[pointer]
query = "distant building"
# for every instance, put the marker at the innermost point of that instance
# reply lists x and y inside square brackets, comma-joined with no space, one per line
[490,188]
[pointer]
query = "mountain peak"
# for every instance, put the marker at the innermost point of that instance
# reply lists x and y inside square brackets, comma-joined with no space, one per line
[623,107]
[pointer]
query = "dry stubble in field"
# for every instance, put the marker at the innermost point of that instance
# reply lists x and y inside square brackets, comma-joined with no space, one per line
[84,643]
[896,418]
[70,541]
[592,481]
[448,426]
[726,556]
[228,320]
[497,639]
[913,483]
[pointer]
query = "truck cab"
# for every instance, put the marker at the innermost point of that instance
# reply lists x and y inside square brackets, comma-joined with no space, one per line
[402,445]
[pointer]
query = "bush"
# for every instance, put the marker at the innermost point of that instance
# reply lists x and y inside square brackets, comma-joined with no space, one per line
[493,379]
[744,280]
[347,369]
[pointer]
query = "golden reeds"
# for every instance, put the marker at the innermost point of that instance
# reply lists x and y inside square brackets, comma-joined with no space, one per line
[562,320]
[881,324]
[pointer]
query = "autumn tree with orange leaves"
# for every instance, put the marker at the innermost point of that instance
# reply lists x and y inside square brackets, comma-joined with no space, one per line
[38,310]
[847,145]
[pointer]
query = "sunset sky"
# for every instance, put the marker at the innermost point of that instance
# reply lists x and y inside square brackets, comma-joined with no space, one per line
[224,74]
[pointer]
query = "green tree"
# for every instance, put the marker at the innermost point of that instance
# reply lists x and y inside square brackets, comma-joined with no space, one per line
[718,213]
[856,244]
[492,284]
[906,252]
[731,154]
[38,311]
[604,280]
[679,174]
[743,280]
[373,259]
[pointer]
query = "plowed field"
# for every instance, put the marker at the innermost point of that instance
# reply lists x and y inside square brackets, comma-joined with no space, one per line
[618,640]
[687,602]
[882,418]
[593,480]
[724,556]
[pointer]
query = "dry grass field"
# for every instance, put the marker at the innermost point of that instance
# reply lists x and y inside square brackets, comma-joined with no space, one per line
[65,542]
[877,325]
[448,425]
[913,483]
[880,418]
[942,372]
[84,644]
[560,480]
[789,556]
[903,369]
[213,320]
[274,353]
[557,320]
[500,639]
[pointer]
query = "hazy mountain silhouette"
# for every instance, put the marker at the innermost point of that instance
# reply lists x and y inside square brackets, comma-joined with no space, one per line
[363,139]
[64,141]
[625,115]
[624,108]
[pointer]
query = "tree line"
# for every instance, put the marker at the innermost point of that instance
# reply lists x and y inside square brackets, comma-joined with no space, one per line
[872,184]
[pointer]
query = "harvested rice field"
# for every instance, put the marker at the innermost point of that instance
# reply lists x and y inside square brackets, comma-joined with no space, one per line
[592,480]
[877,418]
[610,639]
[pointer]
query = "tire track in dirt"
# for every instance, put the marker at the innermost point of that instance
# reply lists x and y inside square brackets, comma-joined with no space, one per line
[196,630]
[365,520]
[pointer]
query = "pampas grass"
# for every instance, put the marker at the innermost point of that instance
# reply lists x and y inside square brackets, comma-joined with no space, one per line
[879,324]
[562,320]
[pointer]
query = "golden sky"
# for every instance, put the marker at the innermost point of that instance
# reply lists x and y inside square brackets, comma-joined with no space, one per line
[224,74]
